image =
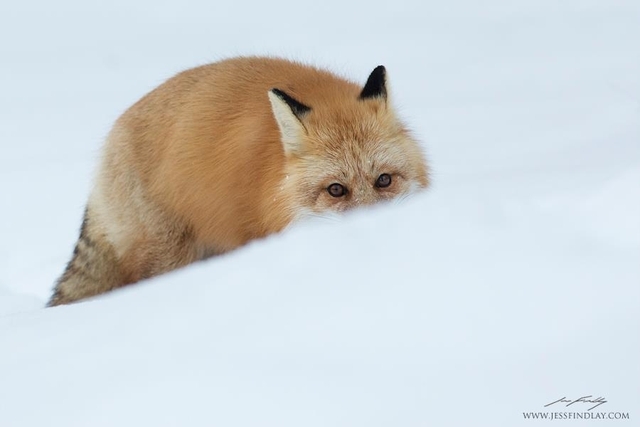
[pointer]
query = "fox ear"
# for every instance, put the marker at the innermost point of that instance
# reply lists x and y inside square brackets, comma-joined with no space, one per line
[376,86]
[289,114]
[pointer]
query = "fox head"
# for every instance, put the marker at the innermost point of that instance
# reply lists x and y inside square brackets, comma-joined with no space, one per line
[348,149]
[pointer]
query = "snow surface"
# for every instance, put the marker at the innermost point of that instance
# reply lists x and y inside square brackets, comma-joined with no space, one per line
[513,282]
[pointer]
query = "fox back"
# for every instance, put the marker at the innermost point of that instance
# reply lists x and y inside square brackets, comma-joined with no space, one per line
[229,152]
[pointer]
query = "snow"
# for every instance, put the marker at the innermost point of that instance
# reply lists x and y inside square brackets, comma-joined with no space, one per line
[511,283]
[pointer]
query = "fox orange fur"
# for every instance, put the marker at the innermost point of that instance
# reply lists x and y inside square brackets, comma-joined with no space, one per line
[229,152]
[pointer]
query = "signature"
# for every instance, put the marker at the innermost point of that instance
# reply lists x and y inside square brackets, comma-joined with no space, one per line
[584,399]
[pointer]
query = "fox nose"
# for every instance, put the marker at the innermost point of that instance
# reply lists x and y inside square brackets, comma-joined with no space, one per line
[363,197]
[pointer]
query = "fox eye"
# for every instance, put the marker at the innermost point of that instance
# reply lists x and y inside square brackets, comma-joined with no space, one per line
[383,180]
[336,190]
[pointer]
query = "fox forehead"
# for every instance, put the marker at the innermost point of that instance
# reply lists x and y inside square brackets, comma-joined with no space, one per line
[359,126]
[352,160]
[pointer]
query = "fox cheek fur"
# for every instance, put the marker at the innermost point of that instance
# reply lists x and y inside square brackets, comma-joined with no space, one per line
[229,152]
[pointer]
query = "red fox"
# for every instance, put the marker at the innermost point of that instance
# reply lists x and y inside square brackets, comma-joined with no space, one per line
[229,152]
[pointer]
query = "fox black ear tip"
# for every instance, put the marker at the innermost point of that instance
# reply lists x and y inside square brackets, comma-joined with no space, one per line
[297,107]
[380,72]
[376,84]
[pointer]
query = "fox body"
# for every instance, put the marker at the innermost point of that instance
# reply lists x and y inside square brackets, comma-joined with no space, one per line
[229,152]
